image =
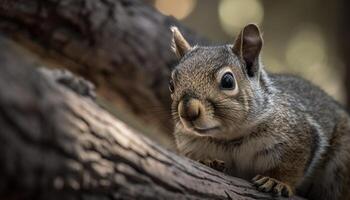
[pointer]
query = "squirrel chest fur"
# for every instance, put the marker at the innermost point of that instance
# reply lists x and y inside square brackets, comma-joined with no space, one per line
[279,131]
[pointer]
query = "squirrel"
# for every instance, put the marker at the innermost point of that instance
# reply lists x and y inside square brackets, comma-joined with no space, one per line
[281,132]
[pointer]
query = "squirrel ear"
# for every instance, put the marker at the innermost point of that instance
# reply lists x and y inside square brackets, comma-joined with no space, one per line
[179,44]
[247,46]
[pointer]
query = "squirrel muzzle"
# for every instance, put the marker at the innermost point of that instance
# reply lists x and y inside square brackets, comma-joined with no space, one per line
[190,109]
[193,116]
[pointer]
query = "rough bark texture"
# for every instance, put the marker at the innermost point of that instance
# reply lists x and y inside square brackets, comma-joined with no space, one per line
[344,45]
[122,46]
[57,143]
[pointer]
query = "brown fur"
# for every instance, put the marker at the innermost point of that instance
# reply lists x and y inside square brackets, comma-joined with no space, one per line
[281,131]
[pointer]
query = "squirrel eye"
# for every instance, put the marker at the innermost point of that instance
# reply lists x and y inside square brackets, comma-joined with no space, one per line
[227,81]
[171,86]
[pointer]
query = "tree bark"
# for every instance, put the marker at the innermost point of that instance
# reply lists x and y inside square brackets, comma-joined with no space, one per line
[344,46]
[57,143]
[122,46]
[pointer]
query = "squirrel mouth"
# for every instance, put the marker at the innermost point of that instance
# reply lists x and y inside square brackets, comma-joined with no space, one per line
[206,130]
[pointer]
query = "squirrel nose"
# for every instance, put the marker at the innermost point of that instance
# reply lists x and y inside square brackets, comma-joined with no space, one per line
[190,109]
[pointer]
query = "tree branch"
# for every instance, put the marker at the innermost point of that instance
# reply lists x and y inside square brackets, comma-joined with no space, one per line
[122,46]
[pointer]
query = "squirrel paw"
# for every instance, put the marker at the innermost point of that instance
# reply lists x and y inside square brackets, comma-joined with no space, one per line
[218,165]
[267,184]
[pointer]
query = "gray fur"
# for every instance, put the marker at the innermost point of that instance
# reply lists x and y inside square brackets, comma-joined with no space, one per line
[278,123]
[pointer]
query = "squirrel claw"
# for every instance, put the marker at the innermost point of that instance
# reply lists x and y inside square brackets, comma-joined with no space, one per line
[218,165]
[267,184]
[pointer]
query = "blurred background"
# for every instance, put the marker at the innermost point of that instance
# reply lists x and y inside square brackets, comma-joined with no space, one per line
[306,38]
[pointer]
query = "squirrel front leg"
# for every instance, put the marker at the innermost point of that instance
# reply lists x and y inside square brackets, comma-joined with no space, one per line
[272,185]
[218,165]
[281,180]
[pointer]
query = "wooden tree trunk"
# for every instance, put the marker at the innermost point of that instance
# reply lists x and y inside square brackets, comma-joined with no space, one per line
[57,143]
[122,46]
[344,45]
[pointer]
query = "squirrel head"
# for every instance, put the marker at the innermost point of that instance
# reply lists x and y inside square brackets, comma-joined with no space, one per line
[213,88]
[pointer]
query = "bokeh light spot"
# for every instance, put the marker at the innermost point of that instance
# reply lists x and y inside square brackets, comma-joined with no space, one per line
[306,54]
[177,8]
[306,49]
[235,14]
